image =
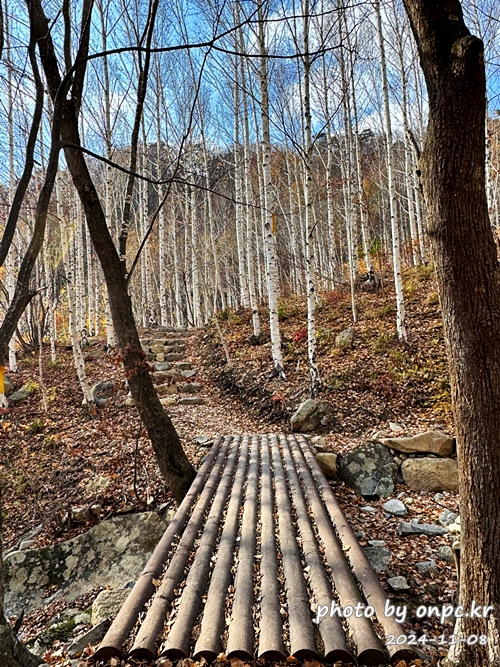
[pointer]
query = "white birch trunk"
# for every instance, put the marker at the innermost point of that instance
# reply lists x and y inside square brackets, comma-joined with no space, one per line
[240,242]
[396,254]
[73,332]
[247,190]
[270,216]
[110,332]
[309,222]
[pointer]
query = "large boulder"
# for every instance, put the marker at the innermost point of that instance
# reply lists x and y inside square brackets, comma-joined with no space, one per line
[432,442]
[102,392]
[369,469]
[345,338]
[22,394]
[310,415]
[429,474]
[113,554]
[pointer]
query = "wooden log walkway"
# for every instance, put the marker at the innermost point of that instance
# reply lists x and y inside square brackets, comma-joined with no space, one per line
[258,543]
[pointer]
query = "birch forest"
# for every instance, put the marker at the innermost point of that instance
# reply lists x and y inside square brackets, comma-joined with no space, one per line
[241,151]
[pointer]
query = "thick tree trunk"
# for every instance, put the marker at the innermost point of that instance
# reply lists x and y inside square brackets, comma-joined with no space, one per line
[453,172]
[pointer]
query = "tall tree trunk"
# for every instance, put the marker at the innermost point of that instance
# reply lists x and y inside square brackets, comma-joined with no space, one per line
[393,204]
[71,292]
[269,213]
[309,222]
[468,273]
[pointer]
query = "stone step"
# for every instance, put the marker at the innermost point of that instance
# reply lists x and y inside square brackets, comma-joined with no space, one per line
[163,365]
[166,389]
[188,374]
[174,356]
[175,348]
[190,388]
[184,366]
[163,375]
[191,400]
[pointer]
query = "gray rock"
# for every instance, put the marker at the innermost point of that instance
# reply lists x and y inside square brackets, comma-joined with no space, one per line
[103,392]
[191,400]
[26,544]
[8,386]
[204,441]
[447,517]
[398,584]
[369,469]
[378,557]
[327,463]
[427,567]
[395,427]
[190,388]
[377,543]
[395,507]
[310,415]
[110,554]
[163,365]
[22,394]
[107,604]
[438,497]
[188,374]
[81,514]
[431,529]
[368,509]
[446,553]
[319,444]
[96,484]
[429,474]
[345,338]
[432,442]
[93,637]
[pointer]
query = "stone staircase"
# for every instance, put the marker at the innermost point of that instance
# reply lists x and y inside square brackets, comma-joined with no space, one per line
[174,374]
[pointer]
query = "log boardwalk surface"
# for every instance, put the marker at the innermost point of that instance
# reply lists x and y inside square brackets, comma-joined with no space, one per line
[257,544]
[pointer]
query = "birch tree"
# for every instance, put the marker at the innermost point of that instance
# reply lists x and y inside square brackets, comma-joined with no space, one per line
[269,211]
[396,253]
[308,214]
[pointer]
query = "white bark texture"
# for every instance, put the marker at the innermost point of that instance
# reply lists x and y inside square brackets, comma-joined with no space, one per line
[270,216]
[396,253]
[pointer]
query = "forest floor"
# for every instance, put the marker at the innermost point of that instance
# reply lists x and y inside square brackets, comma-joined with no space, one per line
[47,459]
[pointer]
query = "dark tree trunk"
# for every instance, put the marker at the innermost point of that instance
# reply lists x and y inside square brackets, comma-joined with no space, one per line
[453,174]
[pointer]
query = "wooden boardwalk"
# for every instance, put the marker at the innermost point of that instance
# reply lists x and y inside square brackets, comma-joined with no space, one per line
[257,544]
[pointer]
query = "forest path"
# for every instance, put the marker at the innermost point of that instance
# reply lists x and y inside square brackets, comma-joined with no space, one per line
[174,373]
[262,545]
